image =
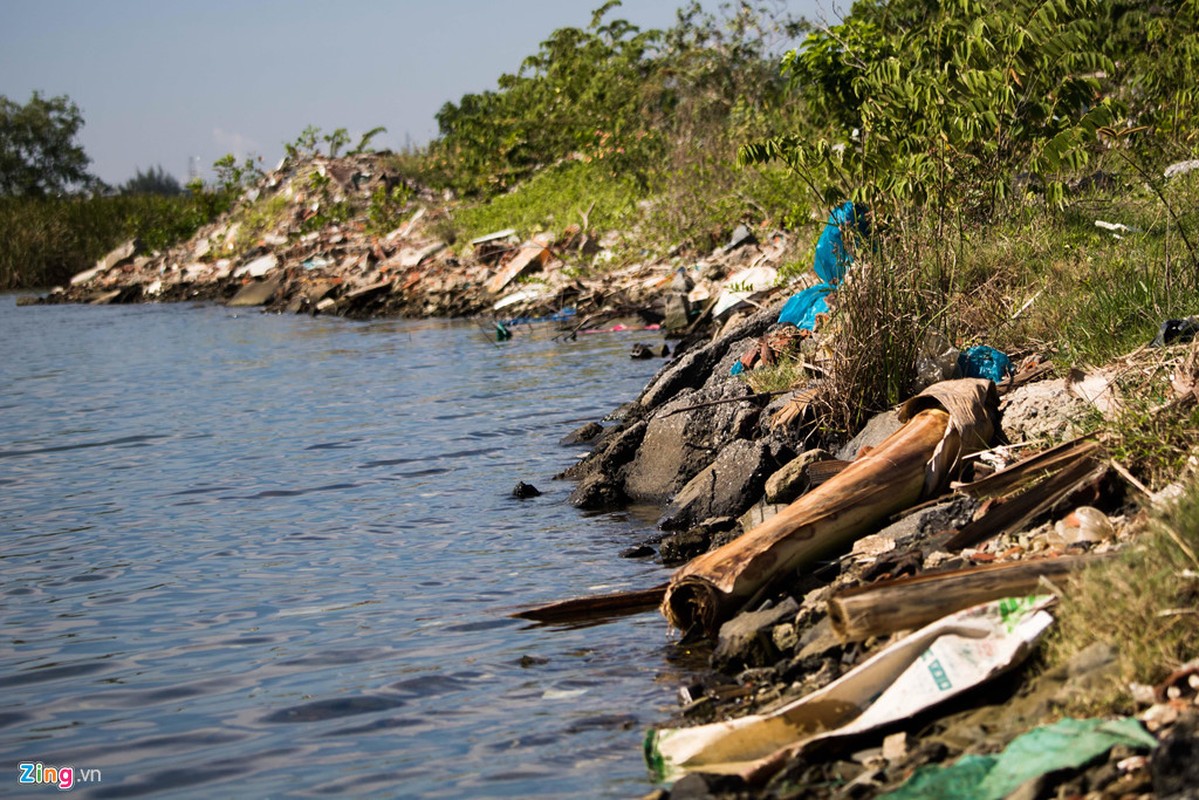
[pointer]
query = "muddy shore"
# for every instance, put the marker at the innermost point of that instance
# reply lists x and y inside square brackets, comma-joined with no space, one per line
[718,458]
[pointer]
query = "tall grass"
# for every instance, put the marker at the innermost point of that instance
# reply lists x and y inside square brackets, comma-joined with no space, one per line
[46,241]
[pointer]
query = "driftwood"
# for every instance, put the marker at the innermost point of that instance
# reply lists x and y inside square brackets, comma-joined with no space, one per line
[595,608]
[943,424]
[1069,467]
[912,602]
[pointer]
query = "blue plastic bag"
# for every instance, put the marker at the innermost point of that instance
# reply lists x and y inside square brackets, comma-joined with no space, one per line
[830,264]
[981,361]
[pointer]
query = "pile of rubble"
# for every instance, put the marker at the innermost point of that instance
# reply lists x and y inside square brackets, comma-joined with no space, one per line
[776,716]
[305,240]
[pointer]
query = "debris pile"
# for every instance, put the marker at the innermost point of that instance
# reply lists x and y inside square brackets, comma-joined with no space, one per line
[307,239]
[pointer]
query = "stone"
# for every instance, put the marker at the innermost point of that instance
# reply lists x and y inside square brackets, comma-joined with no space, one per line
[679,548]
[726,487]
[1043,410]
[257,293]
[875,433]
[523,491]
[788,483]
[597,492]
[114,258]
[637,551]
[580,435]
[692,370]
[747,640]
[678,312]
[1175,763]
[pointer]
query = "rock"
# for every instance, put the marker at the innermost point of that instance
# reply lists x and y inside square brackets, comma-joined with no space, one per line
[759,513]
[678,548]
[641,351]
[678,312]
[637,551]
[257,293]
[1042,410]
[524,490]
[875,432]
[726,487]
[679,444]
[1175,763]
[114,258]
[597,492]
[788,483]
[580,435]
[818,640]
[615,448]
[747,640]
[693,370]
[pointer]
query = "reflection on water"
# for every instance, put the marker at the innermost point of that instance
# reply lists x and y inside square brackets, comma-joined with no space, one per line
[251,555]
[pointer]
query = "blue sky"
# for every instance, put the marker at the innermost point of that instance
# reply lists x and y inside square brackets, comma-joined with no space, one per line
[160,81]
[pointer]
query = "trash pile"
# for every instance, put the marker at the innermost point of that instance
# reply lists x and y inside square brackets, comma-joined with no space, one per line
[869,605]
[306,239]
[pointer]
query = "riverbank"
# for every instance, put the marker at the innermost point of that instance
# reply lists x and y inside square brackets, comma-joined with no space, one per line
[724,453]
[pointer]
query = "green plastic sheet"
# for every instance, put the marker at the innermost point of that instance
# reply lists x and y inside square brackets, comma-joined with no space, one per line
[1067,744]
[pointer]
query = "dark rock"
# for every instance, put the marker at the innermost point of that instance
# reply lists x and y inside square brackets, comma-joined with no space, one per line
[524,490]
[1175,763]
[679,548]
[637,551]
[641,351]
[615,448]
[693,369]
[700,786]
[680,443]
[664,351]
[585,433]
[747,639]
[727,487]
[597,492]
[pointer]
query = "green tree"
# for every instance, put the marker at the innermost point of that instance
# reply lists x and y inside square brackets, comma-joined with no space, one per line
[38,154]
[155,180]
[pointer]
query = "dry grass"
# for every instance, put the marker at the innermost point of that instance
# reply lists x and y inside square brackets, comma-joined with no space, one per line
[1143,603]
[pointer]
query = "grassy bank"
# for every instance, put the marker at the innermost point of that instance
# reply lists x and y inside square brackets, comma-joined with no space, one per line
[46,241]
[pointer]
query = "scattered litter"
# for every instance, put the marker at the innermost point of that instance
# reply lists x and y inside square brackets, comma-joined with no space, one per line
[1066,744]
[982,361]
[1181,167]
[830,264]
[1176,331]
[940,661]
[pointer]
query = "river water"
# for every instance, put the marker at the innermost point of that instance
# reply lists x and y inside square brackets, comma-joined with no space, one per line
[250,555]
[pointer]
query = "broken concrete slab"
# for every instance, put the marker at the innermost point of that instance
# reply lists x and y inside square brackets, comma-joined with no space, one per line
[258,267]
[530,256]
[257,293]
[726,487]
